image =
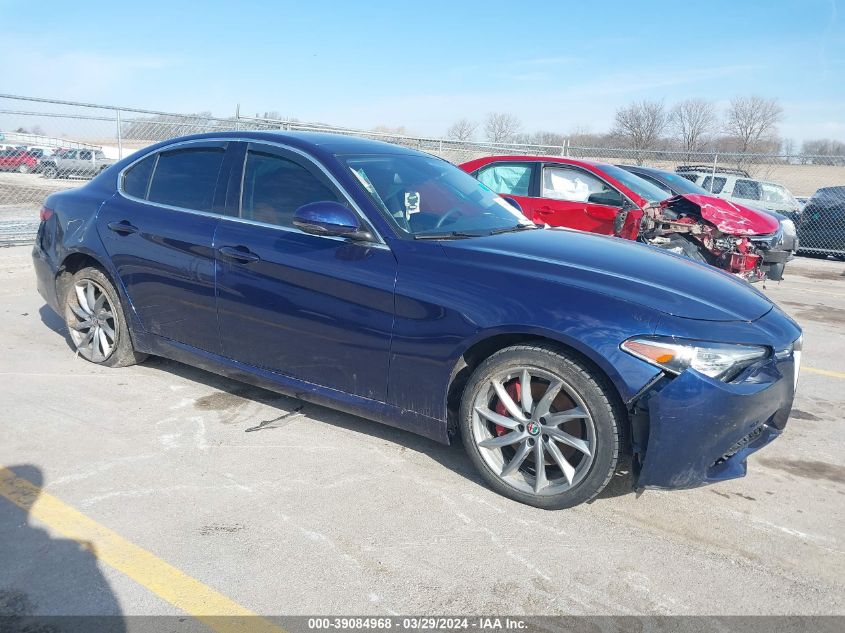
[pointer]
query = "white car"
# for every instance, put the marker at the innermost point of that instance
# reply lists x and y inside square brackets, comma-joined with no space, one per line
[738,185]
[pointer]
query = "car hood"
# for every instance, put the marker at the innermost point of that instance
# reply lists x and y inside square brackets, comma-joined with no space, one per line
[627,270]
[727,216]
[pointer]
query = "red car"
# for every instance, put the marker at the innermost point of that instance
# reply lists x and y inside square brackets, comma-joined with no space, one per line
[602,198]
[17,160]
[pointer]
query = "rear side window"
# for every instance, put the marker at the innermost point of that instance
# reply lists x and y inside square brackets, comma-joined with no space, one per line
[508,179]
[718,183]
[187,177]
[136,180]
[275,187]
[747,189]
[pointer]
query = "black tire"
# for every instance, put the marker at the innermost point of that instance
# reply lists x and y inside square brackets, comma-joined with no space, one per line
[23,169]
[122,353]
[50,171]
[595,395]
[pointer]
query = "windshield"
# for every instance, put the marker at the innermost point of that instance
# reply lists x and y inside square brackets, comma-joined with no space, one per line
[427,195]
[641,187]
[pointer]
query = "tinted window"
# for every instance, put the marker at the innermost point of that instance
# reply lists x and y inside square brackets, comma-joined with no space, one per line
[641,187]
[137,178]
[275,187]
[187,177]
[85,155]
[657,184]
[747,189]
[567,183]
[508,179]
[718,184]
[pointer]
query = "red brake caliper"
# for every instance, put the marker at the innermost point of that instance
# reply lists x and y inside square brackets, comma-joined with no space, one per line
[514,389]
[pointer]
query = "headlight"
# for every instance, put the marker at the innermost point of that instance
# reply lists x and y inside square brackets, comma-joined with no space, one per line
[788,228]
[717,360]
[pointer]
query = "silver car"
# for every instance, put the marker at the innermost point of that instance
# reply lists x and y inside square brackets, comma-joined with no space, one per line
[80,163]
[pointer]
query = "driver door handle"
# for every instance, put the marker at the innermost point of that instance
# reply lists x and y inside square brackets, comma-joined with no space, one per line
[240,254]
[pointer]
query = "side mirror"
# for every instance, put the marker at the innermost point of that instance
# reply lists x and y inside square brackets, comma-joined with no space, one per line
[513,203]
[329,218]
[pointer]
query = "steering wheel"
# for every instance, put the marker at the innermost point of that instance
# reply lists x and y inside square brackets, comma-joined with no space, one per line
[446,215]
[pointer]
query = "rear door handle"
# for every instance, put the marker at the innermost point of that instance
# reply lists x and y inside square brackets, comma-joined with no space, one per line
[123,227]
[239,254]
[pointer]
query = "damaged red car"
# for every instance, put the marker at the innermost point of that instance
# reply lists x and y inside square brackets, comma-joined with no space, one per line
[602,198]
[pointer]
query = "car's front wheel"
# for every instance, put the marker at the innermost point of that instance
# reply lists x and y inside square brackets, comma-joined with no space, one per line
[541,426]
[24,169]
[96,321]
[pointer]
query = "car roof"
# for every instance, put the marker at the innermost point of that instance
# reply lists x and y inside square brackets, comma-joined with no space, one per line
[330,143]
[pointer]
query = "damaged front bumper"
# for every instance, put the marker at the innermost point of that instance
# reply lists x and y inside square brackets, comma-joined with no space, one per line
[691,430]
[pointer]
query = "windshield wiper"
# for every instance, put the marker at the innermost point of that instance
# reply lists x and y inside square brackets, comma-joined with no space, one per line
[511,229]
[445,235]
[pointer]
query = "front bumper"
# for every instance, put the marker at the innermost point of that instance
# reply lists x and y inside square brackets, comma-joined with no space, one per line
[701,430]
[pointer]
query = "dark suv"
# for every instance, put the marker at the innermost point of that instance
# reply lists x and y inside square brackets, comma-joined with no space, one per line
[822,227]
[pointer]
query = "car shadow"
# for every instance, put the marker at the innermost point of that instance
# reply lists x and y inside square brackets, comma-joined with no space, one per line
[230,392]
[55,323]
[453,457]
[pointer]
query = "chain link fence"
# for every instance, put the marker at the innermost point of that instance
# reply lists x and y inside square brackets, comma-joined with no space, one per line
[48,145]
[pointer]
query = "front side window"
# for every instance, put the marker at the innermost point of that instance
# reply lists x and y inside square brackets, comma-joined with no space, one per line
[718,183]
[747,189]
[187,177]
[575,185]
[510,179]
[275,187]
[85,155]
[426,195]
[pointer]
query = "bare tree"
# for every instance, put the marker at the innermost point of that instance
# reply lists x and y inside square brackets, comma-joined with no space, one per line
[548,138]
[501,127]
[691,121]
[641,125]
[752,122]
[823,151]
[463,130]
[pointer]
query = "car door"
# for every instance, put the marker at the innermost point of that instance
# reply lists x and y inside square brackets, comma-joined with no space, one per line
[575,198]
[84,164]
[159,232]
[315,308]
[514,179]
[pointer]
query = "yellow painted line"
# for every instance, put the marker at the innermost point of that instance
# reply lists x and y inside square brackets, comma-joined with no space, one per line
[215,610]
[824,372]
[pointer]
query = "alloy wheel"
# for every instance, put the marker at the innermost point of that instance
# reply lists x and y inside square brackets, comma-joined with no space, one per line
[534,431]
[91,321]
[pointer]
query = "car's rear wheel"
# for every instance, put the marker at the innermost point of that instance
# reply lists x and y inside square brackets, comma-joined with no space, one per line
[540,426]
[96,321]
[24,169]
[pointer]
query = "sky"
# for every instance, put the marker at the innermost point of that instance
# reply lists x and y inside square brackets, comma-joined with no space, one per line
[559,66]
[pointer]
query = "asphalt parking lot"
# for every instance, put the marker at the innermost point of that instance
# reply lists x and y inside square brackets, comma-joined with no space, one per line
[282,508]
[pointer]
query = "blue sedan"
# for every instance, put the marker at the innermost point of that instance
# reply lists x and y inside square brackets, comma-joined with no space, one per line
[387,283]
